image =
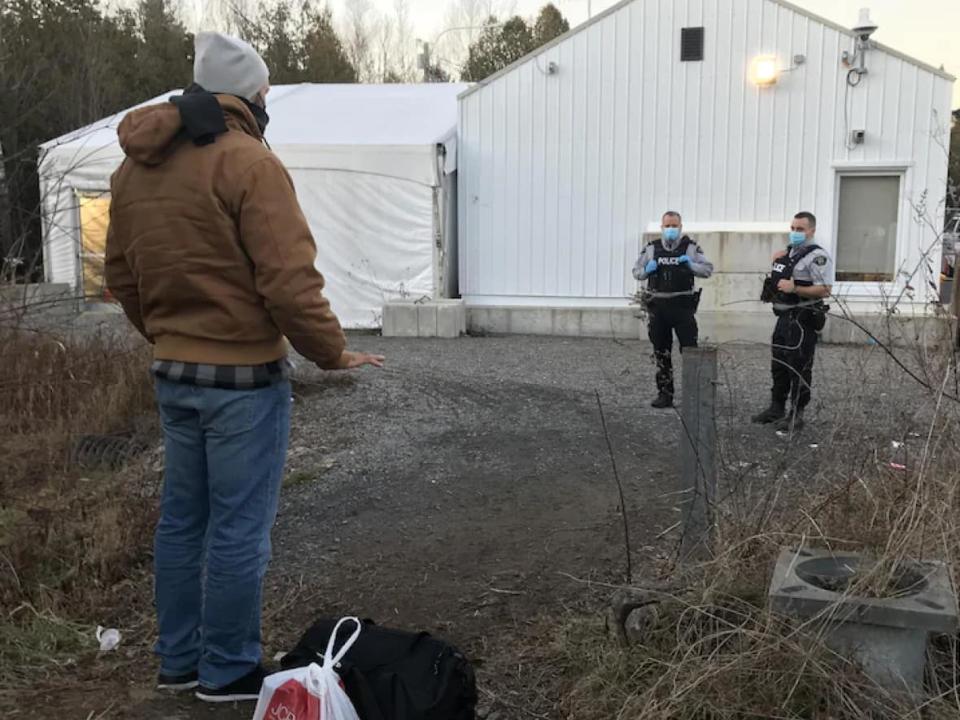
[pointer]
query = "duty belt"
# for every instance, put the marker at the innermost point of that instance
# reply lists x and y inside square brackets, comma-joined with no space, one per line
[653,295]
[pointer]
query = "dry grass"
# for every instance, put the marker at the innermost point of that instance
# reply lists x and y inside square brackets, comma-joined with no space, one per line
[65,537]
[885,481]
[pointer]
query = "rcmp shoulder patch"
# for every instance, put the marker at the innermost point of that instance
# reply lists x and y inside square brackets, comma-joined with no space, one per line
[820,260]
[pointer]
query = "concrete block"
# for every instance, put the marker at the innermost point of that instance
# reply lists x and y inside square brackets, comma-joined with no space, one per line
[494,320]
[400,319]
[430,318]
[722,327]
[531,321]
[566,323]
[597,323]
[625,324]
[886,635]
[478,319]
[427,320]
[451,318]
[45,306]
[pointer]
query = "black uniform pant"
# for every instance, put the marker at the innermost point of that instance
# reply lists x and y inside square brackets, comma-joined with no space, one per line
[794,346]
[667,318]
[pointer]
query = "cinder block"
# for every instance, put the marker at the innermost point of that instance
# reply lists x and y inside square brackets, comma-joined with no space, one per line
[400,320]
[426,320]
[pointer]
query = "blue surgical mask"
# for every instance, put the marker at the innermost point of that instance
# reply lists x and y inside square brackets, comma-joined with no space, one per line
[797,238]
[671,234]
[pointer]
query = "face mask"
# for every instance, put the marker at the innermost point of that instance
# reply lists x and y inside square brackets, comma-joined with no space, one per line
[671,234]
[797,238]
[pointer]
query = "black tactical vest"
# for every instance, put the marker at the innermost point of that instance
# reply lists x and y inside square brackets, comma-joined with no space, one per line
[671,276]
[783,268]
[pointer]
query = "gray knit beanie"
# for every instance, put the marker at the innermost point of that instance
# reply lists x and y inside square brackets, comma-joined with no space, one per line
[228,66]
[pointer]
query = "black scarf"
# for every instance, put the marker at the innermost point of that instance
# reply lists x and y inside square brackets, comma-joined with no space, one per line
[259,114]
[203,118]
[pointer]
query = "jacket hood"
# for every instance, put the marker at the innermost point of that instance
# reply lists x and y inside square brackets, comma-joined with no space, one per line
[149,135]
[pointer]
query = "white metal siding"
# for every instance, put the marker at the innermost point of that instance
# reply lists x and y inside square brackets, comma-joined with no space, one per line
[560,174]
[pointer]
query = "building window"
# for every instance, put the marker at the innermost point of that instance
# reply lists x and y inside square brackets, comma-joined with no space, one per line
[691,44]
[869,216]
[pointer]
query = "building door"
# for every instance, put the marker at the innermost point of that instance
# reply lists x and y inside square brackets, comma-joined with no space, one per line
[94,220]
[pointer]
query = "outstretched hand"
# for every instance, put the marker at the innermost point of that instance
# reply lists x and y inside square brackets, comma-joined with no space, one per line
[353,360]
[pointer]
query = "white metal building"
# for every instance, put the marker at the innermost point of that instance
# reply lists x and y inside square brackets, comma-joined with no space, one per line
[737,113]
[374,167]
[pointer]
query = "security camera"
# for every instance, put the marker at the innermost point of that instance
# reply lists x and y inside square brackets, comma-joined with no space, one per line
[865,27]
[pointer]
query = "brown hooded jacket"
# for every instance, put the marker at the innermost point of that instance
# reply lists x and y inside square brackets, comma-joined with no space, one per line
[208,250]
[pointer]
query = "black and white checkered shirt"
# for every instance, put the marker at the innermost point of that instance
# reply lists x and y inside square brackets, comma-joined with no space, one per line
[222,377]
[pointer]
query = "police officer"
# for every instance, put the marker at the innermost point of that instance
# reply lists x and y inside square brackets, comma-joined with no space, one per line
[802,276]
[669,265]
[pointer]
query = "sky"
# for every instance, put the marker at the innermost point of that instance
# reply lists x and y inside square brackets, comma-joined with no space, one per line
[928,30]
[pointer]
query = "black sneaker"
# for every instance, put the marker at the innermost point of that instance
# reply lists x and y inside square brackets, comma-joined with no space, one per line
[246,688]
[775,412]
[663,401]
[177,683]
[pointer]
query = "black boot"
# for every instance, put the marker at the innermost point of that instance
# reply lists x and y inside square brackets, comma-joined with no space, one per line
[664,400]
[792,422]
[773,413]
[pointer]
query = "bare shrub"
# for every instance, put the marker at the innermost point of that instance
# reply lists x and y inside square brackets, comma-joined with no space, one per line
[880,475]
[66,537]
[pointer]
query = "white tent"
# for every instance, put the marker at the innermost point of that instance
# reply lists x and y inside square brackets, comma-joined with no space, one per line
[374,167]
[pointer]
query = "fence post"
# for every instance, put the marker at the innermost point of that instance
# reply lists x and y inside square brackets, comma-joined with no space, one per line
[698,450]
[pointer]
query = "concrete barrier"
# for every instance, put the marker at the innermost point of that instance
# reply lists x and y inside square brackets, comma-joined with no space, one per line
[37,306]
[426,319]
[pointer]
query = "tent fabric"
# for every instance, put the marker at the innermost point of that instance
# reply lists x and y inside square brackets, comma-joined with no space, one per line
[315,124]
[364,159]
[374,240]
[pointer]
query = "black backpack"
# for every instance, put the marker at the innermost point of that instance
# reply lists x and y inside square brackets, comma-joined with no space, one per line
[396,675]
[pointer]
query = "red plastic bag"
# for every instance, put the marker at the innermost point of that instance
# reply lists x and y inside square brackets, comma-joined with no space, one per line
[292,701]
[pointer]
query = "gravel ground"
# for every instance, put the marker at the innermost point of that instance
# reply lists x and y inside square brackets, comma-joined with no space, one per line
[460,490]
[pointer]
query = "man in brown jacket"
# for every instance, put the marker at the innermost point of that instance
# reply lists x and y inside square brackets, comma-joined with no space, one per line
[213,262]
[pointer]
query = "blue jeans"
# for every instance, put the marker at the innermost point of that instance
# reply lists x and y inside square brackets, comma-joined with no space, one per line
[225,451]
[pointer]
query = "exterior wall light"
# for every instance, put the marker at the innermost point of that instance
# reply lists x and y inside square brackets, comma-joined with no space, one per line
[765,70]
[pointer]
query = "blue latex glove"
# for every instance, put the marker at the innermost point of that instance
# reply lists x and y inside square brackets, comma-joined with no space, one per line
[651,267]
[684,260]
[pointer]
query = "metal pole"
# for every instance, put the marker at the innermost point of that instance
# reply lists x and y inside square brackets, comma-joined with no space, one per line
[698,450]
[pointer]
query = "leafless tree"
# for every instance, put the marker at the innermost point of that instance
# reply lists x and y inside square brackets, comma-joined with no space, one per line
[360,28]
[404,46]
[471,16]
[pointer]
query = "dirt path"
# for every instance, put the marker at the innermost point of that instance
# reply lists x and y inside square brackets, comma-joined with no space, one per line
[458,491]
